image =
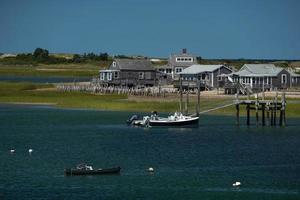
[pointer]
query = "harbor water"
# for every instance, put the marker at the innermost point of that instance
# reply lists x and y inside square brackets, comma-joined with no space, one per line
[188,163]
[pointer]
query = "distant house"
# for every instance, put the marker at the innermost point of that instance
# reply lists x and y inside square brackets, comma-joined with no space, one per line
[7,55]
[129,72]
[210,76]
[265,77]
[177,63]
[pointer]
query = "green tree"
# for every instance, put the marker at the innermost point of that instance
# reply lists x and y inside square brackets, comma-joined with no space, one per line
[41,54]
[103,56]
[77,58]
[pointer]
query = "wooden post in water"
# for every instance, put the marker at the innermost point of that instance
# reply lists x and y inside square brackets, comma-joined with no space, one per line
[281,112]
[268,113]
[237,114]
[272,114]
[283,106]
[256,108]
[248,114]
[275,108]
[237,106]
[263,114]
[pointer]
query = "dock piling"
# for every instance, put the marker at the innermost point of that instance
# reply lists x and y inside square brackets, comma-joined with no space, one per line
[256,108]
[263,106]
[248,114]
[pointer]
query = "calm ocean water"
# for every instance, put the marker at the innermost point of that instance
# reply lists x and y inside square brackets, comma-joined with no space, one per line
[189,163]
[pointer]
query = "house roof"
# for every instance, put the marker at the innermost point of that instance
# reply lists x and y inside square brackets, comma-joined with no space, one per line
[258,70]
[163,67]
[133,64]
[196,69]
[293,74]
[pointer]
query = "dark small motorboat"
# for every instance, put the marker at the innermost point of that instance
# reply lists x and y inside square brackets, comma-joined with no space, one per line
[84,169]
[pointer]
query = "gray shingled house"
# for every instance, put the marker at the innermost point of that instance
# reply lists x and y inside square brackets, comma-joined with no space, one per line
[129,72]
[177,63]
[208,75]
[260,77]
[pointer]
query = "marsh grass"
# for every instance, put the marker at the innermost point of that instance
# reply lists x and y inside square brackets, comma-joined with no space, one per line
[73,70]
[24,92]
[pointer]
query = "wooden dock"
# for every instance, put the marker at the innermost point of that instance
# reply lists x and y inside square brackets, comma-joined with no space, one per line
[268,109]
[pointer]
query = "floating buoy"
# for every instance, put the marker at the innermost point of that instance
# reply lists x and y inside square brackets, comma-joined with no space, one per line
[236,184]
[30,150]
[12,151]
[150,169]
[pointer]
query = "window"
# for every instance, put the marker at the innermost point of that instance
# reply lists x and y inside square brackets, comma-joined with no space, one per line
[178,70]
[219,78]
[114,64]
[109,76]
[283,78]
[116,75]
[141,75]
[203,76]
[169,71]
[184,59]
[102,75]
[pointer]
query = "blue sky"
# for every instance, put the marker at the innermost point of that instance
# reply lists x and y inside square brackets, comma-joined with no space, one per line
[208,28]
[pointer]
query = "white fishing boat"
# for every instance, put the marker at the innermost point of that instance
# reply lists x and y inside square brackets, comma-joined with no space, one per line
[176,119]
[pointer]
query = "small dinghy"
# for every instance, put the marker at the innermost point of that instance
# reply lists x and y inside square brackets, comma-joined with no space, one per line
[84,169]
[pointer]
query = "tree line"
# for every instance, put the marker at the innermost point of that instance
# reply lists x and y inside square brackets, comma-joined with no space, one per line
[40,55]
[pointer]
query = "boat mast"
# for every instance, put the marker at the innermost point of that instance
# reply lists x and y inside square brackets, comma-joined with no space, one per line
[198,99]
[187,99]
[180,104]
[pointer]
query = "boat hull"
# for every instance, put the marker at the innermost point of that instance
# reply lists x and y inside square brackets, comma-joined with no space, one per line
[192,121]
[76,172]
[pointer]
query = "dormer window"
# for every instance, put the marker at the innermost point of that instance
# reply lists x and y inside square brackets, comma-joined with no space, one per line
[184,59]
[114,64]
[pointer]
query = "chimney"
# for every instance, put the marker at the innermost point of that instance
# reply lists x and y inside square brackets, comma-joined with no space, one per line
[184,51]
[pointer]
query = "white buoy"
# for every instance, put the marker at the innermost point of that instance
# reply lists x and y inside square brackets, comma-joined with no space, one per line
[150,169]
[12,151]
[30,150]
[236,184]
